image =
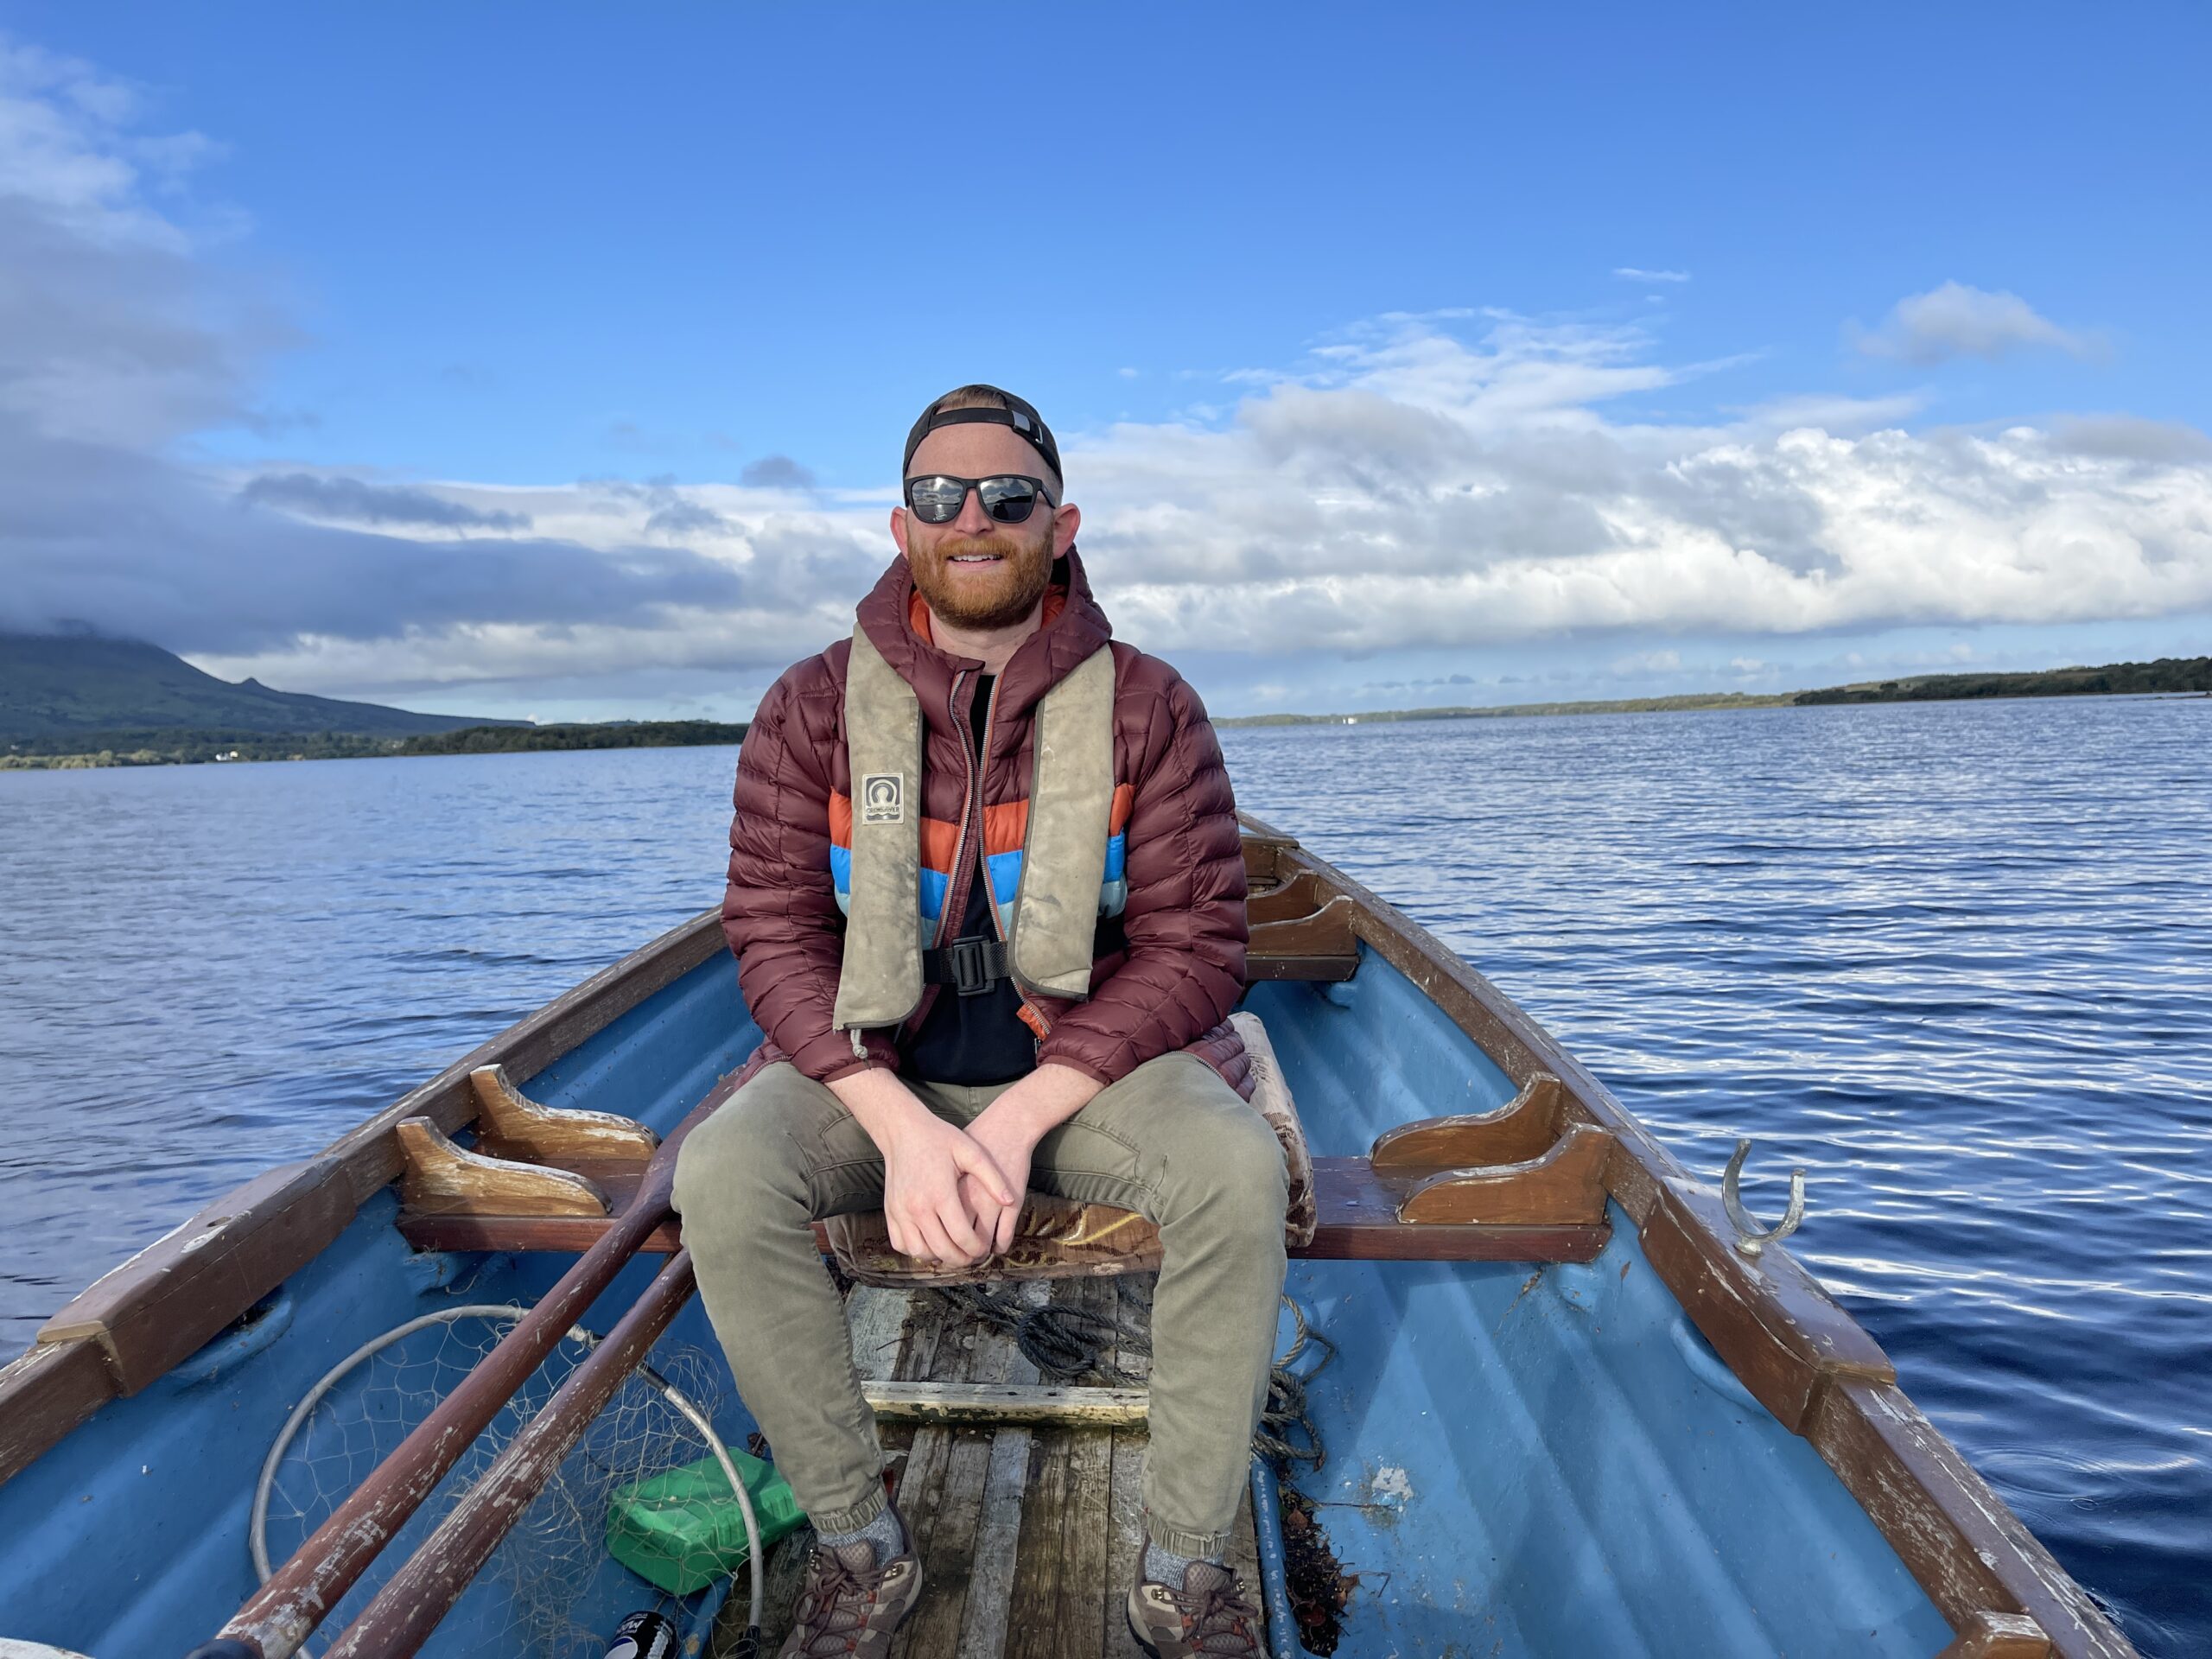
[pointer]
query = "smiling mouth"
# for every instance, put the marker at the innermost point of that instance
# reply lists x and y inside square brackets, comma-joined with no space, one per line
[974,558]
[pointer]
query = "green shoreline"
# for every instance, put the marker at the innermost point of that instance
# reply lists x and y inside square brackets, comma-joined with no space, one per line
[173,748]
[2173,676]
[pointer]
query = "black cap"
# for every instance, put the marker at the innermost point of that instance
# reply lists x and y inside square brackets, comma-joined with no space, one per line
[1022,416]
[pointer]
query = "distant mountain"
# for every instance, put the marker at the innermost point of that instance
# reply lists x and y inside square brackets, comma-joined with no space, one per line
[60,685]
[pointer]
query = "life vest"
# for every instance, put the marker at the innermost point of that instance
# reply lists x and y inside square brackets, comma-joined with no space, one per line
[1066,873]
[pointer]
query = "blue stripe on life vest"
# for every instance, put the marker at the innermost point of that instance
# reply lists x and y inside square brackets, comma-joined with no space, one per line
[1006,881]
[934,884]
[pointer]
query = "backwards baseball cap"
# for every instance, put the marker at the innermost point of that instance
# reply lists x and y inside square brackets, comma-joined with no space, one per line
[1024,419]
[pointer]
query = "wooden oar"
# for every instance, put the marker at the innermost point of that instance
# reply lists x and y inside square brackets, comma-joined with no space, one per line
[283,1613]
[408,1607]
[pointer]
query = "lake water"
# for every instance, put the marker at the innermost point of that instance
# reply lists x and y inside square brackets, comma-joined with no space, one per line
[1952,958]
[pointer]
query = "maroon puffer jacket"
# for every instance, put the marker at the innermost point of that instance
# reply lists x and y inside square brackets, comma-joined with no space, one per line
[1184,917]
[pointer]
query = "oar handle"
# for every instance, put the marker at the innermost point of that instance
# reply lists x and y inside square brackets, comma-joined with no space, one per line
[280,1616]
[413,1601]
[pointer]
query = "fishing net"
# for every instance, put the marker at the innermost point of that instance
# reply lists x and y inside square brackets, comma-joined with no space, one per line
[546,1590]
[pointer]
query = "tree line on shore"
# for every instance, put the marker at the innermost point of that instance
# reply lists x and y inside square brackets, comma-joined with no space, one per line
[163,748]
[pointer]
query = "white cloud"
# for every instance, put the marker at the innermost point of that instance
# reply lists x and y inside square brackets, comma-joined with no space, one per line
[1630,273]
[1956,320]
[1426,490]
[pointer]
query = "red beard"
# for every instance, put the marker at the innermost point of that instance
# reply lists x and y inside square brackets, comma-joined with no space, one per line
[993,596]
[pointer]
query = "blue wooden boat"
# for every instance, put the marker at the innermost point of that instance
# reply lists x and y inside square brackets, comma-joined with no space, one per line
[1577,1406]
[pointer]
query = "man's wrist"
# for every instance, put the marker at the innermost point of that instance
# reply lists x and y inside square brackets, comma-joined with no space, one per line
[880,1102]
[1043,1100]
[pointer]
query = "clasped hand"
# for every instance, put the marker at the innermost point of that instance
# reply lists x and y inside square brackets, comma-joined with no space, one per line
[948,1194]
[953,1195]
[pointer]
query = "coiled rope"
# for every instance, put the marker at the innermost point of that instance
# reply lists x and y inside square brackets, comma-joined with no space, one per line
[1068,1345]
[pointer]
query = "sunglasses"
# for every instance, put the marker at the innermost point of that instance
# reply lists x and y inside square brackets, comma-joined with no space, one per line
[1009,497]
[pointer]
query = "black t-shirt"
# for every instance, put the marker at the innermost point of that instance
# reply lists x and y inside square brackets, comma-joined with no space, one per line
[974,1040]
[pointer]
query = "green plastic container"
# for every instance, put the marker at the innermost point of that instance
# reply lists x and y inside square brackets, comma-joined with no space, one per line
[682,1531]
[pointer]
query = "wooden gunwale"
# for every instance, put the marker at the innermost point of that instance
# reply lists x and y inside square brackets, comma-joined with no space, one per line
[1780,1333]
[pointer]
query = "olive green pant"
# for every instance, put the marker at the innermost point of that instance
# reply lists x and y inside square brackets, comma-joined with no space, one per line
[1171,1141]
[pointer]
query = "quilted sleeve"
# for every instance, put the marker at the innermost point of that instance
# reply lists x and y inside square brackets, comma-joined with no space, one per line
[779,909]
[1184,915]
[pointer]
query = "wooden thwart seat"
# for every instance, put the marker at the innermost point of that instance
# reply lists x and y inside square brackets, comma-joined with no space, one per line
[1519,1184]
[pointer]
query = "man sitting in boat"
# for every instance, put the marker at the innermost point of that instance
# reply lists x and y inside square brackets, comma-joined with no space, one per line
[987,896]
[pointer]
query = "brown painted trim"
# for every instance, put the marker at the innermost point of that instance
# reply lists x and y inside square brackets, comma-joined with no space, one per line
[1971,1553]
[1999,1636]
[44,1394]
[171,1299]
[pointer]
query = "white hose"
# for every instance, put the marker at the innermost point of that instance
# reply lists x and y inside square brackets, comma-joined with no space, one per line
[758,1579]
[256,1531]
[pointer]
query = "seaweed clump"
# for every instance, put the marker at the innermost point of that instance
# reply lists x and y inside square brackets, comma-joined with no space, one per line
[1319,1587]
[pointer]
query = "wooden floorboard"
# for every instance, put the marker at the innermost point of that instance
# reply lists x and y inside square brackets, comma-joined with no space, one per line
[1028,1538]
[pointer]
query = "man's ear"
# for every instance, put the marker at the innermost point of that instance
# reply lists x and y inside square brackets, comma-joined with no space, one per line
[899,529]
[1066,518]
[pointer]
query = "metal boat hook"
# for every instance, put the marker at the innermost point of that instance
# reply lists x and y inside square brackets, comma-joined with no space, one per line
[1750,1237]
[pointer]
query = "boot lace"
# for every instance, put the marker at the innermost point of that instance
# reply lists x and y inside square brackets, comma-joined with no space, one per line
[1222,1621]
[835,1604]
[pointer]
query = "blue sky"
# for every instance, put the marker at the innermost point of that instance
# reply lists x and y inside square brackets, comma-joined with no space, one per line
[1296,285]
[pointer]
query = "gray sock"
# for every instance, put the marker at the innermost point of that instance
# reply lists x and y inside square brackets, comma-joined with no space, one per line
[884,1535]
[1166,1567]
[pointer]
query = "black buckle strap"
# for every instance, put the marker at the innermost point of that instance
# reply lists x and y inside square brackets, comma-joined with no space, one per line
[970,966]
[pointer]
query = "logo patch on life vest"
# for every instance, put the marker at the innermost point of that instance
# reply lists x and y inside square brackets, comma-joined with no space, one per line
[883,798]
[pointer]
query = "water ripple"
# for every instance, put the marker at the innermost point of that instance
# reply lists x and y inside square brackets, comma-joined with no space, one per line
[1953,960]
[1950,958]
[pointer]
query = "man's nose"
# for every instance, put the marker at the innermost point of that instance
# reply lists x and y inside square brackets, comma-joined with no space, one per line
[973,521]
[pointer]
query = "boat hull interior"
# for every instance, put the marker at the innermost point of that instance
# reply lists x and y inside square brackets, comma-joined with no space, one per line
[1521,1459]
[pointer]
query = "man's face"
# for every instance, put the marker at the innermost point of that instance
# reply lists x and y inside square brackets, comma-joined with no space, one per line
[974,572]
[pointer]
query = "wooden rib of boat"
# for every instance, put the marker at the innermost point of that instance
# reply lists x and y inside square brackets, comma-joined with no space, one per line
[1570,1415]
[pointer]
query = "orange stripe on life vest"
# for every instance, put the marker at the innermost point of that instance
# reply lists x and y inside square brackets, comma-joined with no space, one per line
[1117,815]
[940,840]
[1005,828]
[940,844]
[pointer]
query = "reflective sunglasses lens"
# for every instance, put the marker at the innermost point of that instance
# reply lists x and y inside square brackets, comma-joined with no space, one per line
[1009,500]
[936,500]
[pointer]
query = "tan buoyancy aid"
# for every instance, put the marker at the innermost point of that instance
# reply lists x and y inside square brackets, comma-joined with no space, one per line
[1057,904]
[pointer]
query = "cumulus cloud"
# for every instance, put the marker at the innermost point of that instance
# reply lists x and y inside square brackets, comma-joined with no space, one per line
[777,473]
[1955,321]
[355,501]
[1442,491]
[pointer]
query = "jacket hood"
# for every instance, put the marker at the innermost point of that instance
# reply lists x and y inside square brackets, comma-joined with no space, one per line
[896,622]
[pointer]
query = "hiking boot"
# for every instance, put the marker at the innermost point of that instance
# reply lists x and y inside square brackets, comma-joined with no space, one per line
[850,1606]
[1208,1616]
